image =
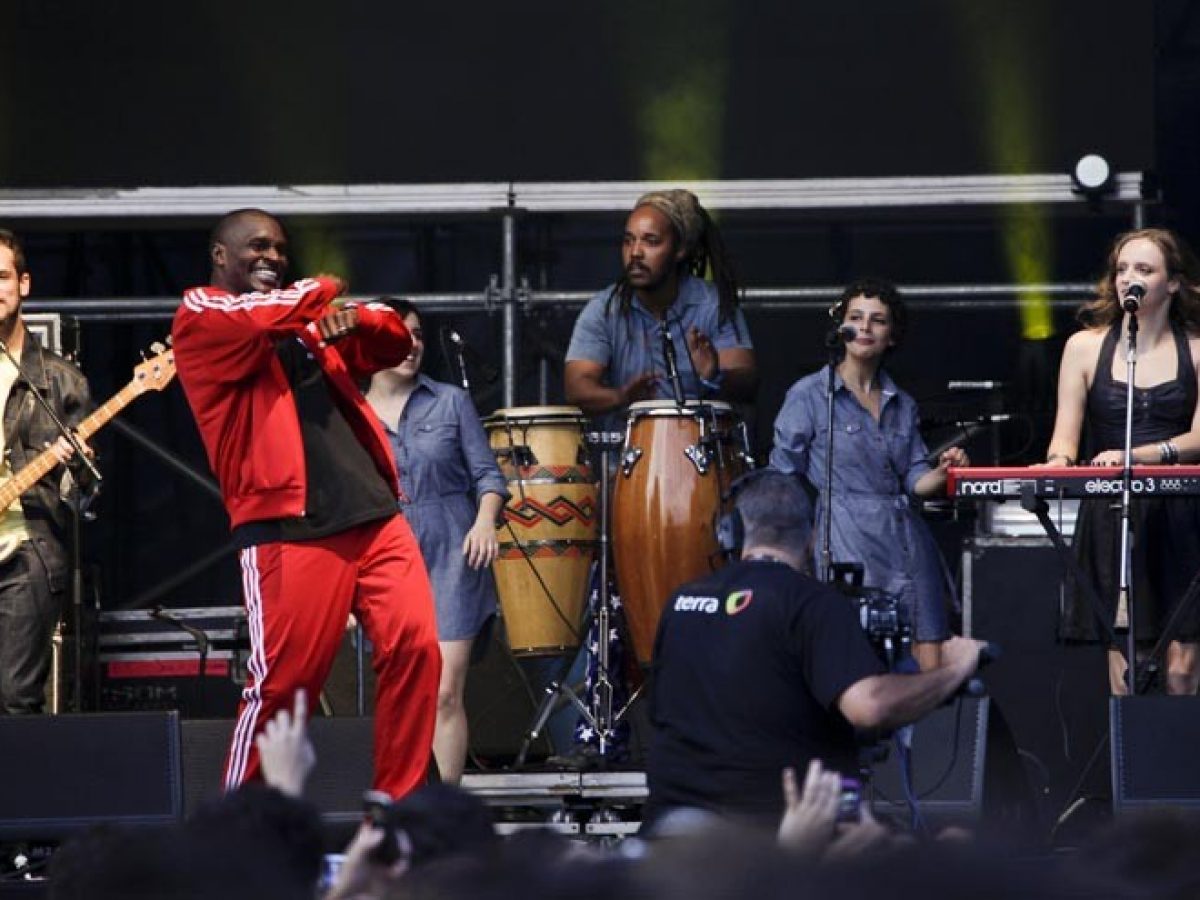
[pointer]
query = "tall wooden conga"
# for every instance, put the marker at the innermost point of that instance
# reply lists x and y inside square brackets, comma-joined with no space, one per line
[548,537]
[670,488]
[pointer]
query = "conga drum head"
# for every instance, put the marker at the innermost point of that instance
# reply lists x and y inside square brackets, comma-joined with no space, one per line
[538,414]
[671,408]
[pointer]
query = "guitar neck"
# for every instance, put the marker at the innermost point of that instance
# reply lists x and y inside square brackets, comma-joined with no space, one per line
[45,461]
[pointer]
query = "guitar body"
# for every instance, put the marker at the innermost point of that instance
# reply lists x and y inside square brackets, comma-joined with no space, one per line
[153,374]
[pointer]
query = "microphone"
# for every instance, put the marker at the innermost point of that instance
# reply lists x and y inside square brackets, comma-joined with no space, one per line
[981,419]
[966,430]
[840,334]
[672,365]
[460,347]
[1134,294]
[487,371]
[989,385]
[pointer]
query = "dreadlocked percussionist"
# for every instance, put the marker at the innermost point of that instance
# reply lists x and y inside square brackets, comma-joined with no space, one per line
[616,353]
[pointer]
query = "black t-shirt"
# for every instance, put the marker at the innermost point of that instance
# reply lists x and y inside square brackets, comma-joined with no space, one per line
[344,487]
[748,666]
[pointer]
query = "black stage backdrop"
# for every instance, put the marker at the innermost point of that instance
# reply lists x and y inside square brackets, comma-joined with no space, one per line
[229,92]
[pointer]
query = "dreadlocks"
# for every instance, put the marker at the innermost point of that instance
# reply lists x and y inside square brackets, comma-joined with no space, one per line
[703,246]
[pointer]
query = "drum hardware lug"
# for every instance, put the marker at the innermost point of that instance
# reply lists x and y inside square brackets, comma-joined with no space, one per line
[523,456]
[629,459]
[699,457]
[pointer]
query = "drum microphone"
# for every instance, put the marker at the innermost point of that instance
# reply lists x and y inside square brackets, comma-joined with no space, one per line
[672,364]
[1134,294]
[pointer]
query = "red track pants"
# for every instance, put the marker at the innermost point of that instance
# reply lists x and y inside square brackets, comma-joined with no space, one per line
[298,596]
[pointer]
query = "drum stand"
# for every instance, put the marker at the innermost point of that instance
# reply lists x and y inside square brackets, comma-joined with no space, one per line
[599,715]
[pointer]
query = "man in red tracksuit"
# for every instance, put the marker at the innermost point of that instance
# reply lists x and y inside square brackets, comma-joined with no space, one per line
[310,485]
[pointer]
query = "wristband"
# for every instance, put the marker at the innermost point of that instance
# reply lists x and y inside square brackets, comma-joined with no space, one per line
[714,383]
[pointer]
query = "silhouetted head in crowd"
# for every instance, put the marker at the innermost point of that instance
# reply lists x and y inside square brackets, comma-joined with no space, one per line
[443,820]
[287,829]
[146,863]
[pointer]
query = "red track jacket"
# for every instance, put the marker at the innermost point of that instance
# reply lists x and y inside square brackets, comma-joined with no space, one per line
[241,398]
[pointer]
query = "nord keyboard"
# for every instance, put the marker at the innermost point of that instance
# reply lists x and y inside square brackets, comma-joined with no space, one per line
[1010,482]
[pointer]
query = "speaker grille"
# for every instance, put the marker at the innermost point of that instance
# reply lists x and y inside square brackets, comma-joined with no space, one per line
[61,774]
[1155,758]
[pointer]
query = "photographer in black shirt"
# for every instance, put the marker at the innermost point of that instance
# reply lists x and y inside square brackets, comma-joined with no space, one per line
[758,667]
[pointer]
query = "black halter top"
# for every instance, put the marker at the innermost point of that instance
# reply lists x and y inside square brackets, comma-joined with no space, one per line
[1159,412]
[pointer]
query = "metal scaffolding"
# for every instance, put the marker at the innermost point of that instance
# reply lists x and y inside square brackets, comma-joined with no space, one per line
[509,200]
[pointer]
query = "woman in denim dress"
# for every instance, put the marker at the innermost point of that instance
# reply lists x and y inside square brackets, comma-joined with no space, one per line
[880,465]
[452,493]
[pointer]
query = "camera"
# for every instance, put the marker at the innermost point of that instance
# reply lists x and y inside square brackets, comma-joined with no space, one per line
[377,809]
[850,801]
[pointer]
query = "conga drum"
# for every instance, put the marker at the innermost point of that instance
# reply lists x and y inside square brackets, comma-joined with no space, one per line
[670,489]
[548,534]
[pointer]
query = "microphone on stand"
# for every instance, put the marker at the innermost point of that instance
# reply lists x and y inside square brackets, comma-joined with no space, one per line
[840,334]
[965,421]
[967,429]
[988,385]
[1134,294]
[460,347]
[672,365]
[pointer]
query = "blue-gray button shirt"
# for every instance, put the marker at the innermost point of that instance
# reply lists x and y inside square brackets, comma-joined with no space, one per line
[629,345]
[445,466]
[876,466]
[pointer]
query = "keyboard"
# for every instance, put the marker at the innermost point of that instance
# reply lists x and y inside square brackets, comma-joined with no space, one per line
[1054,482]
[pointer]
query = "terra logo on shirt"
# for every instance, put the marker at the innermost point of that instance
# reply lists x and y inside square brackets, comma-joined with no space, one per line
[737,601]
[734,603]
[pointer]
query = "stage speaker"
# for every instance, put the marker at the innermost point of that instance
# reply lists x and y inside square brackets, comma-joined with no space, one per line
[62,774]
[501,699]
[965,771]
[1154,752]
[345,764]
[1053,695]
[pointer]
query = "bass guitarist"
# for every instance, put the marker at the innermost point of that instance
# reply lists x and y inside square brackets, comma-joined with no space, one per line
[34,572]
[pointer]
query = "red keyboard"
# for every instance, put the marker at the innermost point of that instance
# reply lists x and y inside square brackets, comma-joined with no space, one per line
[1051,482]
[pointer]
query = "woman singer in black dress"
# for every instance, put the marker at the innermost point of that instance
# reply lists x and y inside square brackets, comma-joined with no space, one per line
[1166,429]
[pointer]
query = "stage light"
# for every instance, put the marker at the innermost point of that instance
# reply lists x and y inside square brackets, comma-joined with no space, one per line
[1092,176]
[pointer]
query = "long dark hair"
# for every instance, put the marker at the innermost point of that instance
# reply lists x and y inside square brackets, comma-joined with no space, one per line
[1181,265]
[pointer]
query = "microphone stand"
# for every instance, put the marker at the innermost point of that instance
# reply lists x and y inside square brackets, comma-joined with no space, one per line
[83,502]
[833,343]
[1125,585]
[668,346]
[200,636]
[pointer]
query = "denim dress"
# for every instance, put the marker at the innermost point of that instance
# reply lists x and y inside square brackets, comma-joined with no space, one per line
[876,466]
[445,466]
